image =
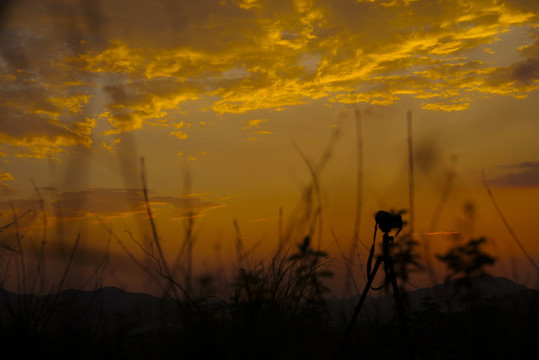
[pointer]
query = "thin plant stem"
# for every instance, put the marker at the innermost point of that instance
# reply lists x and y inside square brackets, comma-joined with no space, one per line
[21,283]
[15,220]
[280,226]
[41,256]
[60,286]
[239,244]
[348,263]
[450,176]
[162,263]
[129,253]
[507,226]
[411,189]
[69,263]
[315,215]
[359,202]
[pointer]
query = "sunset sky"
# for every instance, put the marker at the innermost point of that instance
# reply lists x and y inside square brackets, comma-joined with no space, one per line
[223,99]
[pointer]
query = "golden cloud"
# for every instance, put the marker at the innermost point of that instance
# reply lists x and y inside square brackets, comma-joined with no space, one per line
[4,188]
[445,106]
[40,118]
[138,103]
[255,123]
[117,58]
[32,135]
[108,147]
[5,176]
[179,134]
[248,55]
[74,104]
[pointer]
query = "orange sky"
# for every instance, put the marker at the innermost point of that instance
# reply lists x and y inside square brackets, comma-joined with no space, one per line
[220,97]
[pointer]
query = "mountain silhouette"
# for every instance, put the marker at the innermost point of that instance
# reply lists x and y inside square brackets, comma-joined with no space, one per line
[465,318]
[447,296]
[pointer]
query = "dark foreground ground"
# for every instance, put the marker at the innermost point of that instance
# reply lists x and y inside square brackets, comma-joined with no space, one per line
[477,318]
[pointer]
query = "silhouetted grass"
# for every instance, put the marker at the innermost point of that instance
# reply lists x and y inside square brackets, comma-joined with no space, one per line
[273,306]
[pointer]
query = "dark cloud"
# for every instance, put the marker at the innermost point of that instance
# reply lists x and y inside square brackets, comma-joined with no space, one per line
[523,165]
[99,201]
[12,49]
[527,5]
[18,125]
[189,203]
[122,203]
[20,206]
[28,97]
[526,70]
[108,203]
[532,50]
[518,78]
[528,176]
[5,190]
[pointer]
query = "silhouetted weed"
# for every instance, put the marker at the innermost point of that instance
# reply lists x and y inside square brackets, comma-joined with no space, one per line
[276,306]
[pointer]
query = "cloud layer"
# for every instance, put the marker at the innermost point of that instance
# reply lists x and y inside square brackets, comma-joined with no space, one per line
[525,174]
[107,204]
[66,66]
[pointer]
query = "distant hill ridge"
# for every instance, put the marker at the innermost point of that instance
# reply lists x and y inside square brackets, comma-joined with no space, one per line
[111,323]
[112,302]
[484,288]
